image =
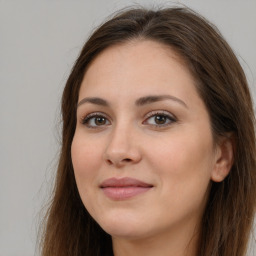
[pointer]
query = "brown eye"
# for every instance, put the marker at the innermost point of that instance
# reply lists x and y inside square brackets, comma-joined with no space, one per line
[160,119]
[100,120]
[95,120]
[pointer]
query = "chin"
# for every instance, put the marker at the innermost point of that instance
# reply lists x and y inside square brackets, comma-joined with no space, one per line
[122,232]
[123,226]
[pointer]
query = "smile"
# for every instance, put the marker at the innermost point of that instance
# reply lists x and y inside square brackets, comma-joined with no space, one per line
[124,188]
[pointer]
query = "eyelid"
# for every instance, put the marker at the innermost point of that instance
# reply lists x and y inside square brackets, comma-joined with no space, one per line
[160,112]
[86,117]
[172,118]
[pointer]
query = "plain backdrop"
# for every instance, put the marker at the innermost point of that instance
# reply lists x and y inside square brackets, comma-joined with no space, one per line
[39,42]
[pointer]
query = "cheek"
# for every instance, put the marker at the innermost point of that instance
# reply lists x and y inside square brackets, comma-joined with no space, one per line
[184,164]
[181,153]
[184,178]
[86,161]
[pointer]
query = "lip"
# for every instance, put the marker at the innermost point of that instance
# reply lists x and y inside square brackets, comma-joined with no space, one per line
[124,188]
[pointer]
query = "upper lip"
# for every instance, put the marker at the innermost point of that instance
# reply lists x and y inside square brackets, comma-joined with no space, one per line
[124,182]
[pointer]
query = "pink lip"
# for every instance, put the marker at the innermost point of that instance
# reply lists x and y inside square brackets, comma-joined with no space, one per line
[124,188]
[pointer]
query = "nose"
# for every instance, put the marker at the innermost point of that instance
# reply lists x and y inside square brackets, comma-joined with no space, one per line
[122,148]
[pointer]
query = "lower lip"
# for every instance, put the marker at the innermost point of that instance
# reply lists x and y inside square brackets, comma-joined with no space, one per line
[122,193]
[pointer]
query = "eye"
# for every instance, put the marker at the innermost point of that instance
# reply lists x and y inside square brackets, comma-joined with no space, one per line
[160,119]
[95,120]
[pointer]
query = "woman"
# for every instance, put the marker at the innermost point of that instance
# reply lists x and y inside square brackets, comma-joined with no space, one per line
[158,148]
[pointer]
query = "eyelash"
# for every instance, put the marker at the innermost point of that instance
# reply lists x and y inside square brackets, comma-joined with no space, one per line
[160,113]
[85,120]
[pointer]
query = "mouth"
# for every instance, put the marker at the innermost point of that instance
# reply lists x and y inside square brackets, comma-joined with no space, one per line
[124,188]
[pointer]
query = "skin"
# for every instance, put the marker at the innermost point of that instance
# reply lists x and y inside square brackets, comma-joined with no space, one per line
[177,157]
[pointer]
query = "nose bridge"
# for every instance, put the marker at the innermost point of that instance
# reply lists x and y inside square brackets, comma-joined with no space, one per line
[122,147]
[120,136]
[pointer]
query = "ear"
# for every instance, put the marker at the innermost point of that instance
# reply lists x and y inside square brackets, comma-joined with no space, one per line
[224,158]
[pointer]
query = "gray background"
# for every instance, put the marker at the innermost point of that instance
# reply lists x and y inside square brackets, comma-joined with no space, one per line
[39,42]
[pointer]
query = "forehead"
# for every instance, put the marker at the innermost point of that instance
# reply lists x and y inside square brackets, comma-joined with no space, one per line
[144,67]
[143,52]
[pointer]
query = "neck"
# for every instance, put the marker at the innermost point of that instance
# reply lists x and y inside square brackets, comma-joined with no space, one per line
[179,243]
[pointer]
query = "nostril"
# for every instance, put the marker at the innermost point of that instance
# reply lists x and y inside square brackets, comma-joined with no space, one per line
[109,162]
[127,160]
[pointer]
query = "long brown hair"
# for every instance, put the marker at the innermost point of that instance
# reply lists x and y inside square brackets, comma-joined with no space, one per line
[221,83]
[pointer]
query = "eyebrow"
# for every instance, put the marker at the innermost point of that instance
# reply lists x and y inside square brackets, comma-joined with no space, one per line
[94,100]
[139,102]
[155,98]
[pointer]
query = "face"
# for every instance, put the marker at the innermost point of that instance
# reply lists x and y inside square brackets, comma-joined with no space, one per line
[142,152]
